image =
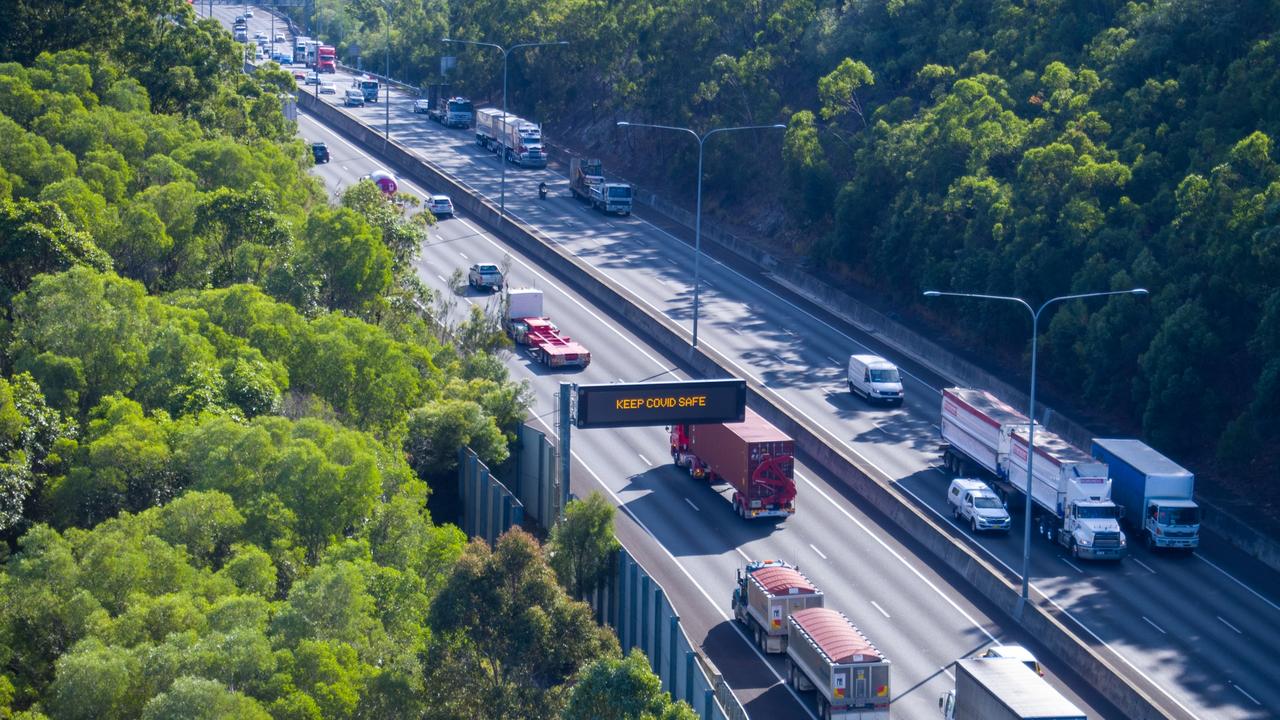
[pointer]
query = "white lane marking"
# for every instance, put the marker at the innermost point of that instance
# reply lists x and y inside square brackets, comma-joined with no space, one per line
[646,460]
[1242,692]
[1162,632]
[876,606]
[815,549]
[826,497]
[695,507]
[1233,627]
[743,554]
[900,559]
[775,357]
[1148,567]
[464,255]
[832,360]
[736,331]
[947,669]
[719,610]
[1071,564]
[1238,582]
[441,278]
[344,167]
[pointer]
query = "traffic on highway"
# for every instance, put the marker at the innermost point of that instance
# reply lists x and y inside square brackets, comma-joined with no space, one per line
[1196,630]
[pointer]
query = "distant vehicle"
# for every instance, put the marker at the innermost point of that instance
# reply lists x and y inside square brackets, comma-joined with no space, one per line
[239,20]
[299,75]
[766,595]
[313,78]
[874,378]
[368,86]
[440,205]
[421,106]
[973,501]
[586,182]
[248,12]
[753,457]
[526,325]
[320,152]
[1015,652]
[385,181]
[454,112]
[279,38]
[828,654]
[998,689]
[353,98]
[513,138]
[282,58]
[326,59]
[328,89]
[259,35]
[1155,492]
[485,275]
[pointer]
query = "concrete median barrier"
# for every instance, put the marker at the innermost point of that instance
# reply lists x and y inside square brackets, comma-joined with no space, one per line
[1093,663]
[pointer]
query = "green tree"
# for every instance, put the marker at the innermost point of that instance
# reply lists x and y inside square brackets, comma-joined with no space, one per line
[623,689]
[583,548]
[194,698]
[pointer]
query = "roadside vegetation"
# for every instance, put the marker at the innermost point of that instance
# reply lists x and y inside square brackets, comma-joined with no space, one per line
[223,406]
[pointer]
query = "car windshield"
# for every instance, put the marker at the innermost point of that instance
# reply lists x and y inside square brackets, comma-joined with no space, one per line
[885,375]
[1179,516]
[986,502]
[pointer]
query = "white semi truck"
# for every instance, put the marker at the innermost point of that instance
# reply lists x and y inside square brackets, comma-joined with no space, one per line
[1071,491]
[1003,689]
[513,138]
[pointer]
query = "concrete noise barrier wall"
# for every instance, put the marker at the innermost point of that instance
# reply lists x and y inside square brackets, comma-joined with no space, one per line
[1133,698]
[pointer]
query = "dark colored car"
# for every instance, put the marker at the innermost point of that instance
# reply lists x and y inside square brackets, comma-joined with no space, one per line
[320,151]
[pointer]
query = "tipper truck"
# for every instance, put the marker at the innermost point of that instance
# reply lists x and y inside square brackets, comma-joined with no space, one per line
[827,653]
[586,182]
[1155,492]
[1070,490]
[753,457]
[766,595]
[1003,689]
[527,326]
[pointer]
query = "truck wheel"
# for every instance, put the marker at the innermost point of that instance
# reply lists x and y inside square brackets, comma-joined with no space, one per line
[1075,550]
[973,525]
[955,512]
[1149,540]
[759,638]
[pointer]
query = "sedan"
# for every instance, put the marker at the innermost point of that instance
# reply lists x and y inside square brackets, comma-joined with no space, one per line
[248,12]
[312,78]
[328,89]
[440,205]
[279,38]
[299,76]
[421,106]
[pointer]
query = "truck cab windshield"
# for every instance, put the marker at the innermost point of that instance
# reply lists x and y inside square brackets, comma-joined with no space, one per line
[885,376]
[1095,512]
[1179,516]
[456,106]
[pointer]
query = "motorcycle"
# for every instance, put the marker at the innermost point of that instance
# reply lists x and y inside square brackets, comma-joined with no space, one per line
[542,191]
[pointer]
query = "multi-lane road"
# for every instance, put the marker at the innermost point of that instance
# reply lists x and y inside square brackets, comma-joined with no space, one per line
[1200,631]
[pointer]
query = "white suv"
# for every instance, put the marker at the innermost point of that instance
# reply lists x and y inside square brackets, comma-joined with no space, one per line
[971,500]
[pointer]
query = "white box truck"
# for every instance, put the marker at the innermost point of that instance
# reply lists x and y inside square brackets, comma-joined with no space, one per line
[1003,689]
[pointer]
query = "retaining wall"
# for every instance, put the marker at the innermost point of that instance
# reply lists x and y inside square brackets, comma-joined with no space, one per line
[1134,699]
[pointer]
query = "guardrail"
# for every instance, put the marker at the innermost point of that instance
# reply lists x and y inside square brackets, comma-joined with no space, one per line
[1133,698]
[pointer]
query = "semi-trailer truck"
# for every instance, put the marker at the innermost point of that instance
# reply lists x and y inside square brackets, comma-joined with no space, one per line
[450,111]
[1070,491]
[766,595]
[1155,492]
[515,139]
[528,327]
[1003,689]
[326,59]
[587,183]
[828,654]
[753,457]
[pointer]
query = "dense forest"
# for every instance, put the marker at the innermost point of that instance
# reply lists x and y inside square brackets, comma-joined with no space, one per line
[1033,148]
[224,404]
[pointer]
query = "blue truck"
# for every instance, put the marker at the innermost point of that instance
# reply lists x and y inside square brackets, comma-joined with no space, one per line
[1155,491]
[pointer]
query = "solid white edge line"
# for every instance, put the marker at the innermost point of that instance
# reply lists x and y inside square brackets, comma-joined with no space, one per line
[984,549]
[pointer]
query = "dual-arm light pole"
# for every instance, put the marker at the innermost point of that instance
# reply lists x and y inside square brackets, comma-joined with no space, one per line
[502,192]
[697,221]
[1031,406]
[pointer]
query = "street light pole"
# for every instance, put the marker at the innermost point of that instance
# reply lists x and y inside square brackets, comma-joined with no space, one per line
[697,218]
[502,185]
[1031,406]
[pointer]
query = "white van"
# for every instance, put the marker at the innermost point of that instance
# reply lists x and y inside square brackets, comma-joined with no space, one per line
[874,378]
[972,501]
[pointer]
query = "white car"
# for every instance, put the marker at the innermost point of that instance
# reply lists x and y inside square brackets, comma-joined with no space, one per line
[248,12]
[260,36]
[313,78]
[440,205]
[972,501]
[279,38]
[328,89]
[421,106]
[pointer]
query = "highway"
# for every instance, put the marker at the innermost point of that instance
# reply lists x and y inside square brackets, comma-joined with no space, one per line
[1203,629]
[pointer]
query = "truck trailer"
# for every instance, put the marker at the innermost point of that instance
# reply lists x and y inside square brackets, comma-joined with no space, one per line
[528,327]
[587,183]
[828,654]
[753,457]
[1155,492]
[1070,491]
[766,595]
[513,138]
[1003,689]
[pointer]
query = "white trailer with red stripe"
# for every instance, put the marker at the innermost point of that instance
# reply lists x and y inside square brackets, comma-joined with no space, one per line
[767,593]
[828,654]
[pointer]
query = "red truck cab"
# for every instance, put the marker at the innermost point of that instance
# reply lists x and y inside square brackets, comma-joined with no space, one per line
[326,59]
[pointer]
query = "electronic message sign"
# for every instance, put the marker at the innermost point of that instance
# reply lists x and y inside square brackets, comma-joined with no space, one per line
[661,403]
